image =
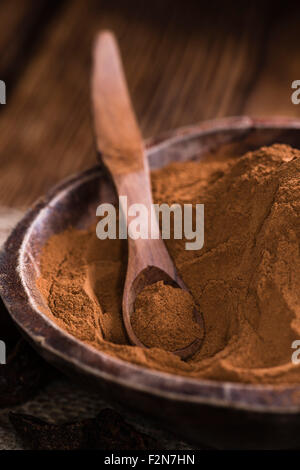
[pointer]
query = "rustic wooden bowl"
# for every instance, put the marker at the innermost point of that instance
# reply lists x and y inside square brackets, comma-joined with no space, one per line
[218,414]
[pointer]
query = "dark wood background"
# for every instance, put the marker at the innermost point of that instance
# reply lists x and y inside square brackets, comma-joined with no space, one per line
[185,61]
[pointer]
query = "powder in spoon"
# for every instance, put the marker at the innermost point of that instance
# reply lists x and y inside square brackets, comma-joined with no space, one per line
[246,278]
[164,317]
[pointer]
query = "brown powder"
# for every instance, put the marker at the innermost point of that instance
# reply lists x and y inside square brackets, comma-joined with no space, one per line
[245,279]
[164,317]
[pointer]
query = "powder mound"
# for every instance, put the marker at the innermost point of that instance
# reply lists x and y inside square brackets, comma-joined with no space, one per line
[246,278]
[164,317]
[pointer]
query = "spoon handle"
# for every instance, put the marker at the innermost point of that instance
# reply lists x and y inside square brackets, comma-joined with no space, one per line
[148,249]
[118,136]
[121,146]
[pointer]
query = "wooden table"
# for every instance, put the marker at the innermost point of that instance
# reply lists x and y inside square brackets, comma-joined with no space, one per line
[184,63]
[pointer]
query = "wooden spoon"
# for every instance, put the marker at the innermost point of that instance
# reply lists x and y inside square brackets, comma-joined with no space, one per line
[120,142]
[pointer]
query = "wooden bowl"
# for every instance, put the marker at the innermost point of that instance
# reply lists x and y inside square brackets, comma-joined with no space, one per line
[217,414]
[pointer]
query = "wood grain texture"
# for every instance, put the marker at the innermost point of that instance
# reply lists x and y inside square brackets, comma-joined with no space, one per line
[271,94]
[184,62]
[21,25]
[8,219]
[117,133]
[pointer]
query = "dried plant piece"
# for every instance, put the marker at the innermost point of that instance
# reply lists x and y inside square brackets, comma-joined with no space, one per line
[22,375]
[112,433]
[107,431]
[40,435]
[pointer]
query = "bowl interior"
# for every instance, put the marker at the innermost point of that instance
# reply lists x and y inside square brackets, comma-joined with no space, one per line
[73,203]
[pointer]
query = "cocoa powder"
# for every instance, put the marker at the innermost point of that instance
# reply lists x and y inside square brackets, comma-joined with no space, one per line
[245,279]
[164,317]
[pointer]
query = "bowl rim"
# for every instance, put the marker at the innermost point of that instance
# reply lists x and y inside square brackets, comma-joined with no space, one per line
[41,330]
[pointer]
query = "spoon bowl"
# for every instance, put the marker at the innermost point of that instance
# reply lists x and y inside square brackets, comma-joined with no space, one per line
[146,277]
